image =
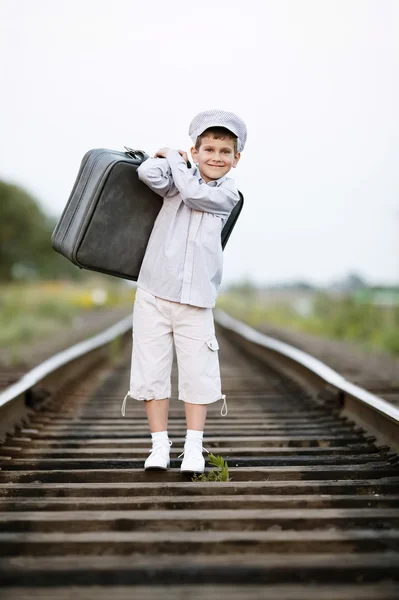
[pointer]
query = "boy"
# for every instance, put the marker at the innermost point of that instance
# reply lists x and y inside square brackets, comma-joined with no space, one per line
[179,281]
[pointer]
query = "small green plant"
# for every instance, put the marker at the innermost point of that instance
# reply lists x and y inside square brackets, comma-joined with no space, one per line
[219,473]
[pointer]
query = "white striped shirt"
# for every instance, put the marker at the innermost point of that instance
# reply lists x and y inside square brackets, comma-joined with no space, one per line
[183,261]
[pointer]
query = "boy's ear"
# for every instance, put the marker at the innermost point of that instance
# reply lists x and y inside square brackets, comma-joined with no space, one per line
[194,154]
[237,157]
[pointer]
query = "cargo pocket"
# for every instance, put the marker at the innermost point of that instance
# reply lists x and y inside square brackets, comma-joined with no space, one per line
[212,363]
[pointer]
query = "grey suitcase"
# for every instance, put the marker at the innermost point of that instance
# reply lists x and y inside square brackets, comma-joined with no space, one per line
[108,219]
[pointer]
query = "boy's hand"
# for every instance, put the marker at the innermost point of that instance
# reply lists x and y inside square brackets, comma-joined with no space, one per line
[162,154]
[184,155]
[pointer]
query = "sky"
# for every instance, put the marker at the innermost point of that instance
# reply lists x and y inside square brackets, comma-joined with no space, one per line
[316,81]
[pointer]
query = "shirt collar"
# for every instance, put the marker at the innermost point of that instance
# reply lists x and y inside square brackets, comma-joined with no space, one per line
[214,183]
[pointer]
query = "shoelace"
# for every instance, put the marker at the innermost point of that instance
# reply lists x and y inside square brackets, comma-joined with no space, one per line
[190,447]
[160,445]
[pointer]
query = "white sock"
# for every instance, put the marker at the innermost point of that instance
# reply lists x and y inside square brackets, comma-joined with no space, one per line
[192,434]
[161,436]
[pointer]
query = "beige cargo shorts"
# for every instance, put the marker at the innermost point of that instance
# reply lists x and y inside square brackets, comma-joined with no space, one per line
[156,324]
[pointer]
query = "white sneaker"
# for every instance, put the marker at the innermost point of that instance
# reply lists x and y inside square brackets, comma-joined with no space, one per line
[159,457]
[193,461]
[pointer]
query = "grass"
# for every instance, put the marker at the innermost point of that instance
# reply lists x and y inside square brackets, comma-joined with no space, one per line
[372,327]
[219,473]
[36,310]
[29,312]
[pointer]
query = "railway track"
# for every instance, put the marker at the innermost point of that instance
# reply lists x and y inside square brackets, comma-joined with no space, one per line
[311,511]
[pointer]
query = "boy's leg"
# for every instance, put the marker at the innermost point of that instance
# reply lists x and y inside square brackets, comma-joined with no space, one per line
[197,358]
[157,414]
[152,356]
[195,416]
[199,376]
[152,350]
[193,461]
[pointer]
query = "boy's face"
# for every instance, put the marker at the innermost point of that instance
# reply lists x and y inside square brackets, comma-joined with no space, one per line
[215,157]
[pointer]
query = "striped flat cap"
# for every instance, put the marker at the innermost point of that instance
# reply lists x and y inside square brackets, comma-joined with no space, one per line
[219,118]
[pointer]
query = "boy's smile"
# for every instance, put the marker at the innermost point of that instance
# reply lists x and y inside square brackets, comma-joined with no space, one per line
[215,157]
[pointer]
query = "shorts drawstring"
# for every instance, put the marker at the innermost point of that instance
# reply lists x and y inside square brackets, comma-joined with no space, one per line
[224,405]
[123,407]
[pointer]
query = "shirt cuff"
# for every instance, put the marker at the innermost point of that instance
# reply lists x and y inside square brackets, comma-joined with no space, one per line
[175,159]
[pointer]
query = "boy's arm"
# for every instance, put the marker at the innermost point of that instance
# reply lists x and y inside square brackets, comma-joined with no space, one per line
[156,173]
[217,200]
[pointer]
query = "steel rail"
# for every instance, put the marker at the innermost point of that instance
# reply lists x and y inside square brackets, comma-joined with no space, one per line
[62,358]
[374,412]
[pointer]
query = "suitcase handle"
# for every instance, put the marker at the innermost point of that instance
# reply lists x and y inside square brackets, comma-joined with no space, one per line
[135,153]
[142,155]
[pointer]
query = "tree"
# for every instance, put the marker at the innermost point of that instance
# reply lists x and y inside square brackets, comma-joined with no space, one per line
[25,238]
